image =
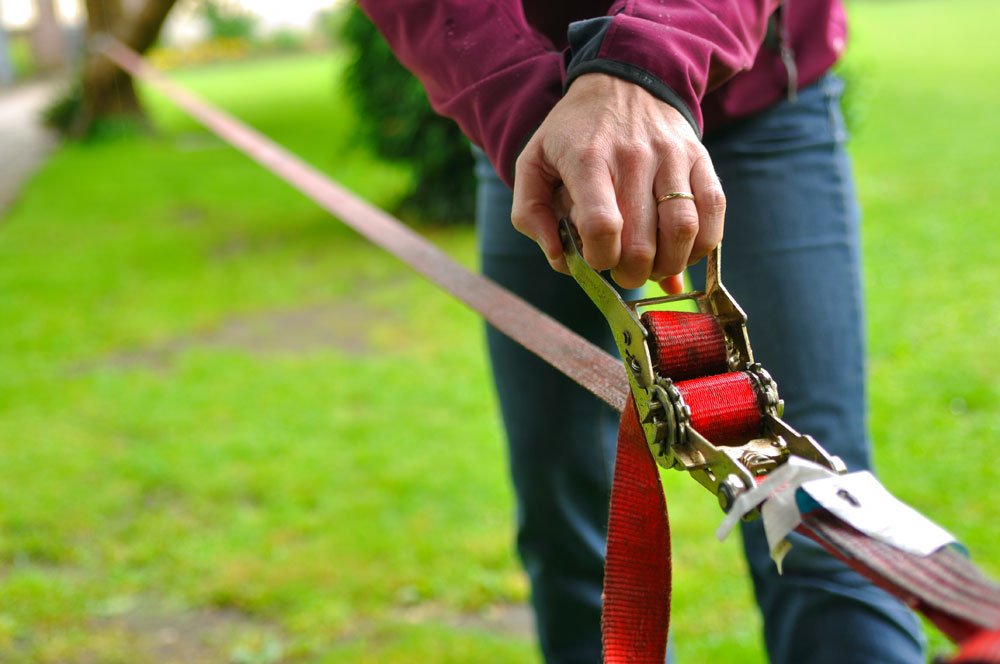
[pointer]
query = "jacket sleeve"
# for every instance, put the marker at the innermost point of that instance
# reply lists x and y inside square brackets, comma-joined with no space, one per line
[481,64]
[677,50]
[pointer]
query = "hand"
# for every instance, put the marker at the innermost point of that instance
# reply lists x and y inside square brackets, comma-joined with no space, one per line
[614,148]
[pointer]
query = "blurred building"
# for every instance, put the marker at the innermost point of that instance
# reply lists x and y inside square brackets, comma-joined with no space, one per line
[38,36]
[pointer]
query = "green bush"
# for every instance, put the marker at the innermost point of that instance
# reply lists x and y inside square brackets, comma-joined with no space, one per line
[21,58]
[399,123]
[227,20]
[286,41]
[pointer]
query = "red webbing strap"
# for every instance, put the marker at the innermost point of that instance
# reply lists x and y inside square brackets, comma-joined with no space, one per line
[686,345]
[565,350]
[983,648]
[724,408]
[946,587]
[636,615]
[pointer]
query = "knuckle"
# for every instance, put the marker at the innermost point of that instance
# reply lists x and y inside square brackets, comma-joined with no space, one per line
[591,156]
[528,157]
[672,152]
[520,164]
[522,159]
[635,152]
[600,224]
[715,201]
[684,226]
[638,256]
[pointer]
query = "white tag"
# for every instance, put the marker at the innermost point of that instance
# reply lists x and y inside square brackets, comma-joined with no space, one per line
[861,501]
[780,513]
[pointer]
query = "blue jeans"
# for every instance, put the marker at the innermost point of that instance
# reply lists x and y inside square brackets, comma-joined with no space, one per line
[791,259]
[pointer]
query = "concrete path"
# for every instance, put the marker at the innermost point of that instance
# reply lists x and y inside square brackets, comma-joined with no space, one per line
[24,142]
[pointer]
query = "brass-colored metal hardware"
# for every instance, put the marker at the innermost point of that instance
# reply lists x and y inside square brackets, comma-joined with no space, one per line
[725,470]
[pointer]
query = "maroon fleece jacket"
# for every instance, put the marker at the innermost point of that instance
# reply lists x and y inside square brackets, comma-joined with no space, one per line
[497,67]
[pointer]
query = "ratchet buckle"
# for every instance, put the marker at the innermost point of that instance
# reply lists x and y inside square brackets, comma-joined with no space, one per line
[726,468]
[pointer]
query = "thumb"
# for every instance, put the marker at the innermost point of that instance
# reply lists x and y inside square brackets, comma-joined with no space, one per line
[532,212]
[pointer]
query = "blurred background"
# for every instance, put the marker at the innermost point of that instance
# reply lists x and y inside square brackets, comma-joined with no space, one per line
[232,431]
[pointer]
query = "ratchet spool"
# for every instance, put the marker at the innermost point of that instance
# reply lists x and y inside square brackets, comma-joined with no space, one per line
[686,345]
[691,350]
[725,409]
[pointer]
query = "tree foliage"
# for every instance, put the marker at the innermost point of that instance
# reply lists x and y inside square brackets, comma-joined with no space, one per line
[227,20]
[399,123]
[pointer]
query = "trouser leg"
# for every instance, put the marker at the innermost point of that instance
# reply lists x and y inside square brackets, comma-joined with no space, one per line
[791,259]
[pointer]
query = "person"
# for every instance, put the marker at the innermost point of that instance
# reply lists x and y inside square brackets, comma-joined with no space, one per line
[605,109]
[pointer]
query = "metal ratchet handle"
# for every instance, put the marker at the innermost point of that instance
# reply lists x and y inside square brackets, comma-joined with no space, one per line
[630,333]
[725,470]
[657,401]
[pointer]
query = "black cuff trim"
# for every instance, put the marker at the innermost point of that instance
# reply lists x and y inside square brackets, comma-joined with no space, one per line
[637,75]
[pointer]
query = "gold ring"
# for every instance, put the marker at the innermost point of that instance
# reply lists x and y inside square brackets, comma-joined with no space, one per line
[676,194]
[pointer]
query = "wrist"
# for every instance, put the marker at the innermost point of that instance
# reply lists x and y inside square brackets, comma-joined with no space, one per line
[596,72]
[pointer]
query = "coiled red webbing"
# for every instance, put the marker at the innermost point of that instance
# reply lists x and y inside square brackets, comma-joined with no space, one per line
[686,345]
[725,408]
[690,349]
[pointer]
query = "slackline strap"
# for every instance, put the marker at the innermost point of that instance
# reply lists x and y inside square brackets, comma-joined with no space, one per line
[564,349]
[945,586]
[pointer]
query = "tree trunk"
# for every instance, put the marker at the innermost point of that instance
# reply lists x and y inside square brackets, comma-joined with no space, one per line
[108,92]
[47,39]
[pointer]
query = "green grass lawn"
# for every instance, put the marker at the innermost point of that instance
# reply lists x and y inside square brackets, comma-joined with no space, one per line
[230,430]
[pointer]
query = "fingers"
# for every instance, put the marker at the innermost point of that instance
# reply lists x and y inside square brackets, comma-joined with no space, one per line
[678,217]
[711,204]
[532,212]
[673,284]
[588,182]
[638,209]
[688,229]
[588,194]
[613,148]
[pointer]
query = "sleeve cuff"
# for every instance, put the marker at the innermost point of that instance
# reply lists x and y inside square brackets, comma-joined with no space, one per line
[583,57]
